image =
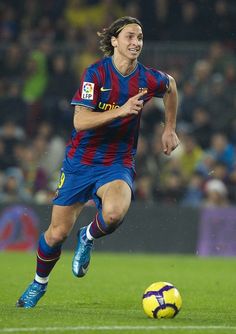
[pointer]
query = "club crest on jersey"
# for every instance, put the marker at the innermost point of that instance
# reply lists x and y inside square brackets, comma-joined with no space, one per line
[87,90]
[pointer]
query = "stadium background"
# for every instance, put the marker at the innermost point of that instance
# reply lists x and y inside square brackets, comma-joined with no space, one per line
[44,46]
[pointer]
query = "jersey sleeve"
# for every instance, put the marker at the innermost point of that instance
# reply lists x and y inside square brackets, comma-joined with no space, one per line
[88,92]
[162,83]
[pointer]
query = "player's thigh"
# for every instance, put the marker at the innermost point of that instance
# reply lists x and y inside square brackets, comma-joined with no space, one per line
[115,196]
[62,221]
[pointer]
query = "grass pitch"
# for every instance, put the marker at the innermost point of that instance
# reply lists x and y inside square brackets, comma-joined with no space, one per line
[108,299]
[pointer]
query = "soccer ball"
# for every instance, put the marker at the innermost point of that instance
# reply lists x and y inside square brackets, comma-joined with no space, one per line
[161,300]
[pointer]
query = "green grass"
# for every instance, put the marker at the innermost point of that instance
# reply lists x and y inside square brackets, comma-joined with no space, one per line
[110,295]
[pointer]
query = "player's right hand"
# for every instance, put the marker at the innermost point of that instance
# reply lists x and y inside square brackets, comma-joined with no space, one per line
[133,105]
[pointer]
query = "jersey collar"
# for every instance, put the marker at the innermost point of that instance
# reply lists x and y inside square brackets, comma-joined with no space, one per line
[124,76]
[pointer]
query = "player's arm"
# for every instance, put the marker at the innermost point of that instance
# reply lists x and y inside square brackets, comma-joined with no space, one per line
[170,139]
[86,119]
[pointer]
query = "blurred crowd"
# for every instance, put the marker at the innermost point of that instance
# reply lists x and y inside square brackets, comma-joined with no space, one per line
[70,21]
[45,45]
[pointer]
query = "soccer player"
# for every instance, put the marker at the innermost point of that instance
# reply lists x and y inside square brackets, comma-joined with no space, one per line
[99,160]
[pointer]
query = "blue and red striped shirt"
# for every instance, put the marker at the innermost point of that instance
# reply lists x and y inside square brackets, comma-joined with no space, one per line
[104,88]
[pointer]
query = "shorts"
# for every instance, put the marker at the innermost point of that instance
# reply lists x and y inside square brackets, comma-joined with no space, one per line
[83,185]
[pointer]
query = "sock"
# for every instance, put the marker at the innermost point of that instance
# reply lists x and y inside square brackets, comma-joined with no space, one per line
[88,235]
[98,228]
[46,259]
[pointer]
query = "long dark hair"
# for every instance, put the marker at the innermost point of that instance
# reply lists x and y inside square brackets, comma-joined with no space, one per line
[114,30]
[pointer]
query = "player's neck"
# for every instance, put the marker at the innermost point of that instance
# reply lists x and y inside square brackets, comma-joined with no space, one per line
[124,66]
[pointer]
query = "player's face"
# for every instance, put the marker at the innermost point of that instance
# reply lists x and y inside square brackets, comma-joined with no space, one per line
[129,42]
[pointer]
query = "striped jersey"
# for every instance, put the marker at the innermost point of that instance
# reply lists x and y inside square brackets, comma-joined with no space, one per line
[104,88]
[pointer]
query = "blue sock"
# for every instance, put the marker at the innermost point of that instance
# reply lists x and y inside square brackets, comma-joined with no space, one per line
[98,228]
[46,259]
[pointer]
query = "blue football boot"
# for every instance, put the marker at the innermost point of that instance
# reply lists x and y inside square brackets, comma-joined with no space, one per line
[81,257]
[31,296]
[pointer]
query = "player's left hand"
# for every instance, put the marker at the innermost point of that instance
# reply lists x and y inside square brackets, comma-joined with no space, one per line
[170,141]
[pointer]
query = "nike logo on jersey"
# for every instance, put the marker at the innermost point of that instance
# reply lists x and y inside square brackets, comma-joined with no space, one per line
[104,89]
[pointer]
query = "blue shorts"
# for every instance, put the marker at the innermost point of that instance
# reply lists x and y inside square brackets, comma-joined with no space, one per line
[83,185]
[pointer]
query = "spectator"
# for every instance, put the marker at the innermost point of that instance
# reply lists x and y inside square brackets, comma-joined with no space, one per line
[190,156]
[152,117]
[202,126]
[58,95]
[11,135]
[13,187]
[172,191]
[144,187]
[50,148]
[188,22]
[79,13]
[13,107]
[8,23]
[222,20]
[36,77]
[144,180]
[12,63]
[34,175]
[194,193]
[189,102]
[216,194]
[201,79]
[222,150]
[206,165]
[219,105]
[89,54]
[219,55]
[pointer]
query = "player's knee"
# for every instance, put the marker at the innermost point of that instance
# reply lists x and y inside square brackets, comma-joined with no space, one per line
[56,237]
[113,215]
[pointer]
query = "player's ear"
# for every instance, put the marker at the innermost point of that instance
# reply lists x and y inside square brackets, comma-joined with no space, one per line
[113,41]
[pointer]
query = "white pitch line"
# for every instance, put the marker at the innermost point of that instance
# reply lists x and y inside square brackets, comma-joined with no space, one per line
[113,328]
